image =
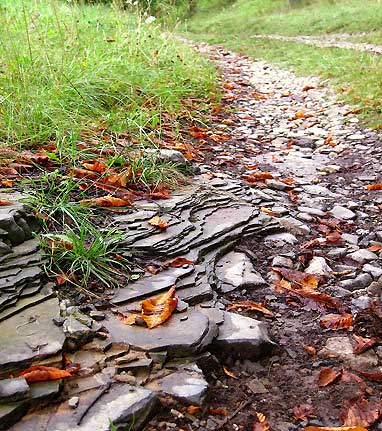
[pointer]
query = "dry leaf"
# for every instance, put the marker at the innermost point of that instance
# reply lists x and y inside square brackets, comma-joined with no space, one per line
[361,344]
[377,186]
[230,373]
[219,411]
[95,166]
[40,373]
[154,311]
[302,279]
[303,411]
[358,411]
[377,377]
[268,212]
[292,196]
[349,377]
[262,424]
[4,202]
[180,261]
[329,141]
[375,247]
[327,376]
[257,176]
[314,428]
[158,222]
[191,410]
[311,350]
[336,322]
[106,201]
[249,306]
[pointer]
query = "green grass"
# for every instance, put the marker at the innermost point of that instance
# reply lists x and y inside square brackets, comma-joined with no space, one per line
[360,74]
[66,68]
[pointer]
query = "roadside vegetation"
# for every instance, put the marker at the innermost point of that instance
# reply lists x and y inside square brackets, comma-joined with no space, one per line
[356,76]
[85,89]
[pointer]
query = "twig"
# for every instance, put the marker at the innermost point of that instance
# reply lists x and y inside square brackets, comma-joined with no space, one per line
[238,410]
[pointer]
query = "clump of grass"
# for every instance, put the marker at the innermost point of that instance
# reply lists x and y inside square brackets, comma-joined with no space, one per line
[84,253]
[68,67]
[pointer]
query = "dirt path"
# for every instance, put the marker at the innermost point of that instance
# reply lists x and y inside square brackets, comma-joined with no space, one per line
[325,41]
[293,128]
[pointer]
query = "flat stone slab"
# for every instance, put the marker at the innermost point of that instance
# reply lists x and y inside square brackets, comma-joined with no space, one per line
[242,337]
[13,389]
[30,336]
[182,335]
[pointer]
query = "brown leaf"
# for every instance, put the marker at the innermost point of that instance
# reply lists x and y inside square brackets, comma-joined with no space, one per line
[358,411]
[361,344]
[336,322]
[333,237]
[300,114]
[257,176]
[314,428]
[302,279]
[303,411]
[375,247]
[330,141]
[40,373]
[262,424]
[4,202]
[349,377]
[95,166]
[249,306]
[230,373]
[311,350]
[154,311]
[106,201]
[222,411]
[158,222]
[292,196]
[327,376]
[377,377]
[268,212]
[180,261]
[191,410]
[377,186]
[6,183]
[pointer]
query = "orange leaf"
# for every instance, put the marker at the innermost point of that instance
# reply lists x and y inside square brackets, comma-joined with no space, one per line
[361,344]
[180,261]
[262,424]
[249,306]
[95,166]
[219,411]
[377,186]
[327,376]
[375,247]
[333,237]
[314,428]
[329,141]
[302,411]
[106,201]
[292,196]
[4,202]
[311,350]
[300,114]
[6,183]
[257,176]
[358,411]
[268,211]
[158,222]
[191,410]
[300,278]
[336,322]
[40,373]
[230,373]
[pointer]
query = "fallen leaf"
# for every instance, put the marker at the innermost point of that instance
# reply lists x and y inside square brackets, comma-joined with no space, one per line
[249,306]
[191,410]
[300,115]
[377,377]
[257,176]
[303,411]
[302,279]
[311,350]
[180,261]
[330,141]
[377,186]
[336,322]
[358,411]
[361,344]
[230,373]
[268,212]
[4,202]
[375,247]
[333,237]
[308,87]
[40,373]
[222,411]
[327,376]
[154,311]
[95,166]
[6,183]
[314,428]
[349,377]
[262,424]
[106,201]
[292,196]
[158,222]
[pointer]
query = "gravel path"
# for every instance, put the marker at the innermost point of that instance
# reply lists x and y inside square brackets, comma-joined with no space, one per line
[324,42]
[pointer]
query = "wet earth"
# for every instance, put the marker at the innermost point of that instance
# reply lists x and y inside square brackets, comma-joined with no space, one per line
[287,187]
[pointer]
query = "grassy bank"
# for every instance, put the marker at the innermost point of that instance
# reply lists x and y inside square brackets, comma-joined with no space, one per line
[356,76]
[67,68]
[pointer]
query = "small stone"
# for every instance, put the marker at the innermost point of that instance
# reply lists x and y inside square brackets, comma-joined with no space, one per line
[97,315]
[350,239]
[13,390]
[359,282]
[363,255]
[282,261]
[342,213]
[73,402]
[375,271]
[318,266]
[294,226]
[257,387]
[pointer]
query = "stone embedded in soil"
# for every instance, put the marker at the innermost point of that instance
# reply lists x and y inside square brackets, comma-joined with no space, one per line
[235,270]
[341,348]
[318,266]
[342,213]
[188,387]
[362,256]
[243,337]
